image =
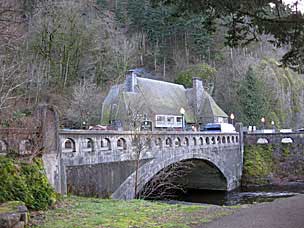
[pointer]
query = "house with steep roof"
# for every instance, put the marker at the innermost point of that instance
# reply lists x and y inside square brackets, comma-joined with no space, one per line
[159,104]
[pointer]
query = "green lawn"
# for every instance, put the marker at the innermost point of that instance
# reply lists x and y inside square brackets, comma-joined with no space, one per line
[82,212]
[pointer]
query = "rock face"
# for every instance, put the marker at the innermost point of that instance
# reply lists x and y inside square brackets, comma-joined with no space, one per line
[13,214]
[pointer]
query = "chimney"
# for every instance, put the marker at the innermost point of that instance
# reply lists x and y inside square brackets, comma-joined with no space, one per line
[198,95]
[130,82]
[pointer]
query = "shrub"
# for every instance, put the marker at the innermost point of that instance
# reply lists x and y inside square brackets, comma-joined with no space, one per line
[25,182]
[202,71]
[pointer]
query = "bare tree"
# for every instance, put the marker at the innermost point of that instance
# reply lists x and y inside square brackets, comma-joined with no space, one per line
[141,143]
[11,79]
[164,184]
[12,20]
[85,103]
[168,182]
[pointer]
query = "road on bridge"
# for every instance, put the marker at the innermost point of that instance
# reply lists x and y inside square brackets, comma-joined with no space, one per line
[281,213]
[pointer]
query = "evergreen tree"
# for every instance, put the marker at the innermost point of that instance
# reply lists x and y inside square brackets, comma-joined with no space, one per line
[253,100]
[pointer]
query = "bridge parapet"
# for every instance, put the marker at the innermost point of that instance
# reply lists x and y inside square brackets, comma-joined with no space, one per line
[274,138]
[17,140]
[114,143]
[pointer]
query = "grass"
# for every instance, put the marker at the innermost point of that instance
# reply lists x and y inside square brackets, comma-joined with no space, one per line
[79,212]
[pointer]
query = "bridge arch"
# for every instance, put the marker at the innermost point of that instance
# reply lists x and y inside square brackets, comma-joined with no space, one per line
[88,145]
[201,141]
[213,140]
[68,145]
[262,141]
[194,141]
[218,140]
[228,140]
[186,141]
[168,142]
[105,144]
[158,143]
[207,140]
[177,142]
[223,139]
[121,144]
[191,174]
[286,140]
[25,146]
[153,167]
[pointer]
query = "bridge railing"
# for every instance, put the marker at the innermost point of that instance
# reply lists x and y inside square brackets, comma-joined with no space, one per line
[274,138]
[76,142]
[18,140]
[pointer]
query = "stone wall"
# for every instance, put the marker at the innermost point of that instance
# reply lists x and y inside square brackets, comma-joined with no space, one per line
[277,162]
[99,180]
[42,137]
[16,140]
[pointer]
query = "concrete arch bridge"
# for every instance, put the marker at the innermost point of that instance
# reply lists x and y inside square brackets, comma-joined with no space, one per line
[102,163]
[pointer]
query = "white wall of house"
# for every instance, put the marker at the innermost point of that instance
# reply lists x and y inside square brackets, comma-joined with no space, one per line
[168,121]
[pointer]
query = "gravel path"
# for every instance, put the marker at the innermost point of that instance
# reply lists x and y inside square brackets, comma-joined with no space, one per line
[281,213]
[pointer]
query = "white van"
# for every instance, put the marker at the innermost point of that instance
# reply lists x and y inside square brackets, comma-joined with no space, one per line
[219,127]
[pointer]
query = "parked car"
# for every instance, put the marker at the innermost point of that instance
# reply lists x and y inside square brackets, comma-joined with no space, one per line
[219,127]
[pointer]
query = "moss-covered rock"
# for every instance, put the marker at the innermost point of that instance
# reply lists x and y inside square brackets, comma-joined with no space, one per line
[13,214]
[25,182]
[258,164]
[273,164]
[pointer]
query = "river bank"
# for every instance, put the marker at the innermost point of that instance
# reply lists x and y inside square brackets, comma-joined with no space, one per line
[93,212]
[100,213]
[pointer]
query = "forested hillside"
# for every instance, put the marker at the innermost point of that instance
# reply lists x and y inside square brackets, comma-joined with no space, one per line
[68,53]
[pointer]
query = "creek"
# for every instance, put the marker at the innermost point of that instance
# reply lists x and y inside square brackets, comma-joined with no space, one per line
[247,195]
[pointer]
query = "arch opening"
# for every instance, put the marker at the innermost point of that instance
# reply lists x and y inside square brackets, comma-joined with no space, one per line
[178,178]
[262,141]
[105,144]
[186,141]
[3,147]
[25,147]
[177,142]
[194,141]
[68,145]
[121,144]
[286,140]
[89,145]
[158,142]
[201,141]
[168,142]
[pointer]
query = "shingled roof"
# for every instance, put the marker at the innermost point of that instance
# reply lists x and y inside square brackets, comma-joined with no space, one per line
[155,97]
[211,108]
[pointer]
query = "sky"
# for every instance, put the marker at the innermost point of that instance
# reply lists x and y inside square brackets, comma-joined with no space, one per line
[301,3]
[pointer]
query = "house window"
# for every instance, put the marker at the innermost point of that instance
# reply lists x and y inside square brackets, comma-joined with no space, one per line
[160,118]
[179,119]
[170,119]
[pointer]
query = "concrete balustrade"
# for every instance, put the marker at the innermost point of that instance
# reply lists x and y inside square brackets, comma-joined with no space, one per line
[104,150]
